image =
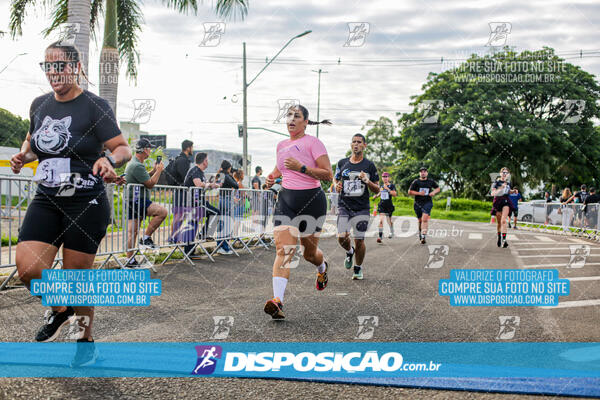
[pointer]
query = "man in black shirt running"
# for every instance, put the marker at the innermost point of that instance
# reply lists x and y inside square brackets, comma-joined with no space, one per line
[423,189]
[354,177]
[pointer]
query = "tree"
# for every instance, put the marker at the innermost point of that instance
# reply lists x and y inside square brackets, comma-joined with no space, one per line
[13,129]
[486,123]
[380,145]
[123,20]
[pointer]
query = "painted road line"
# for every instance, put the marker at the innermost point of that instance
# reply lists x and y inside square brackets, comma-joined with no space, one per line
[475,236]
[554,255]
[551,248]
[575,303]
[555,265]
[544,238]
[585,278]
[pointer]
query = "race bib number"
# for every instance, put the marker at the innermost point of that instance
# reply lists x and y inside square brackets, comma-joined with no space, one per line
[353,187]
[424,191]
[385,195]
[53,172]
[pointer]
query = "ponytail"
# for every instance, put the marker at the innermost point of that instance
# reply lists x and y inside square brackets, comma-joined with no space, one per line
[324,122]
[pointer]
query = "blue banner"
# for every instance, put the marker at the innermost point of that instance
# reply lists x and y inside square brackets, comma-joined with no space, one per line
[305,360]
[95,287]
[504,287]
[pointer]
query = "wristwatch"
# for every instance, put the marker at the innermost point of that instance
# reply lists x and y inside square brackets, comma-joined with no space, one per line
[110,159]
[303,169]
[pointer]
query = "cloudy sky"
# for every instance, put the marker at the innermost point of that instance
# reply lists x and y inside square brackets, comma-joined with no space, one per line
[194,86]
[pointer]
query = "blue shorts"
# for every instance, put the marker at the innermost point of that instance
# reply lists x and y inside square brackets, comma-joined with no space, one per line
[137,210]
[355,221]
[421,209]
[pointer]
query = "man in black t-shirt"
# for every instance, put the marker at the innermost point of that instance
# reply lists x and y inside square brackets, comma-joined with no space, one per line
[195,178]
[423,189]
[256,182]
[354,177]
[591,208]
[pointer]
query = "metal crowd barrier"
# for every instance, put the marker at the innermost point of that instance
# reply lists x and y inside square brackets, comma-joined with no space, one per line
[237,219]
[573,218]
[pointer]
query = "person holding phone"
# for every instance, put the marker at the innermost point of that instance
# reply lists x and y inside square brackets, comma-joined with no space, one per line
[140,206]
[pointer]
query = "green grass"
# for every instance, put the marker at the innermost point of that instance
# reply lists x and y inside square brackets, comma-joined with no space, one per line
[461,209]
[4,240]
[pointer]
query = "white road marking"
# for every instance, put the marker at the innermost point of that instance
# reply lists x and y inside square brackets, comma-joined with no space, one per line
[550,248]
[555,265]
[553,255]
[575,303]
[585,278]
[476,236]
[544,238]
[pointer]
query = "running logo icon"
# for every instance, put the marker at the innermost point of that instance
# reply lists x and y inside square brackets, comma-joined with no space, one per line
[212,34]
[292,254]
[223,325]
[142,110]
[499,32]
[77,327]
[68,184]
[573,111]
[366,326]
[437,255]
[207,359]
[284,106]
[508,327]
[68,33]
[431,110]
[579,253]
[357,35]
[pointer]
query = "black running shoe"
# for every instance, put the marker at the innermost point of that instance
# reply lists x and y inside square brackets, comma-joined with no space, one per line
[86,354]
[131,264]
[322,278]
[148,242]
[499,241]
[505,244]
[423,240]
[53,322]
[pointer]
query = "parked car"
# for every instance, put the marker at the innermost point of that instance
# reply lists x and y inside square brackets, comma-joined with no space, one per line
[535,211]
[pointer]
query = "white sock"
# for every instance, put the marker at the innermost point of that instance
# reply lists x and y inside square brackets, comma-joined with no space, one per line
[145,237]
[279,285]
[351,251]
[321,268]
[357,266]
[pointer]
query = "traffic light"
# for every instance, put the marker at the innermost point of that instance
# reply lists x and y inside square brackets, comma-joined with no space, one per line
[241,130]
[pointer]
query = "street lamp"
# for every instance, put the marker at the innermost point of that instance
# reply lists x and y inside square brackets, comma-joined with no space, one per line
[245,102]
[13,59]
[319,96]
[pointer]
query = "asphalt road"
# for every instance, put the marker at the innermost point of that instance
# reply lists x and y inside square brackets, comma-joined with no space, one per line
[398,289]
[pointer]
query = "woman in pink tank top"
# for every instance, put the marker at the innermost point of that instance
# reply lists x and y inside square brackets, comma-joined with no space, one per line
[302,162]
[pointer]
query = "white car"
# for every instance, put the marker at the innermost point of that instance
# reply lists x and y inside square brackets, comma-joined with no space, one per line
[535,211]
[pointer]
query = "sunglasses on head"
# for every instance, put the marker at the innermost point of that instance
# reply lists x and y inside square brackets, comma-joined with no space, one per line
[58,66]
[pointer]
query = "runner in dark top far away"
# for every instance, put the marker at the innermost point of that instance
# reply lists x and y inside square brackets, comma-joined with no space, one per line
[502,205]
[386,206]
[423,189]
[68,131]
[355,176]
[514,198]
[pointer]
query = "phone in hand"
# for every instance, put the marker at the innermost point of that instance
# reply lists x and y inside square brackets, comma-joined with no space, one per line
[122,175]
[158,159]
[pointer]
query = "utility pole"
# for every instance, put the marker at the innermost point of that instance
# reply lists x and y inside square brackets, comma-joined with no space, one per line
[245,123]
[245,102]
[319,97]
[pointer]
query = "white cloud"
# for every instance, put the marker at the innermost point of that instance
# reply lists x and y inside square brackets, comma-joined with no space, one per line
[189,87]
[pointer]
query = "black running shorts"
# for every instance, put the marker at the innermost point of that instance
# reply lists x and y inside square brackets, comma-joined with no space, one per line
[78,223]
[304,209]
